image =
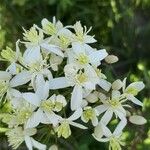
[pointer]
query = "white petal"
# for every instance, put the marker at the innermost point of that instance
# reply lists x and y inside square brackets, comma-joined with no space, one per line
[95,121]
[89,39]
[76,98]
[28,142]
[77,125]
[137,85]
[52,48]
[101,108]
[5,75]
[12,68]
[35,119]
[75,115]
[58,83]
[115,94]
[97,56]
[78,48]
[38,145]
[120,127]
[20,79]
[107,117]
[32,98]
[139,120]
[106,131]
[98,132]
[32,55]
[43,91]
[53,118]
[101,139]
[135,100]
[104,84]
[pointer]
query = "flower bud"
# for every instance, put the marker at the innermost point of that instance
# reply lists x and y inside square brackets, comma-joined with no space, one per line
[110,59]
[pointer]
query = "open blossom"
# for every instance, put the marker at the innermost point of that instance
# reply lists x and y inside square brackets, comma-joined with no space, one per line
[64,128]
[35,42]
[18,135]
[58,83]
[106,135]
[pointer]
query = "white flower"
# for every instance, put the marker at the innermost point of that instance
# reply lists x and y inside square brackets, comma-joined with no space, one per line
[54,28]
[34,42]
[81,34]
[64,128]
[81,80]
[45,105]
[88,114]
[13,57]
[132,90]
[138,120]
[112,105]
[18,135]
[114,138]
[84,56]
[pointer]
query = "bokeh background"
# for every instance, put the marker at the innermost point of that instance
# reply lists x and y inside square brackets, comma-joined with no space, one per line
[120,26]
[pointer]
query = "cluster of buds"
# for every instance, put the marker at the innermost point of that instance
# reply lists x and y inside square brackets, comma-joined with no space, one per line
[56,80]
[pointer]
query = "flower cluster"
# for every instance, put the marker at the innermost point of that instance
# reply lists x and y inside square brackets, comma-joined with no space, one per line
[55,79]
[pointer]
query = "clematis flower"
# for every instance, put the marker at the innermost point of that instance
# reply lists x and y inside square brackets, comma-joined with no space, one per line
[64,128]
[113,105]
[81,34]
[35,42]
[85,56]
[54,28]
[114,139]
[81,80]
[45,107]
[12,56]
[18,135]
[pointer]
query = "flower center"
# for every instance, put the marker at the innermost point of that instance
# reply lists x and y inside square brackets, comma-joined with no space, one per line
[88,114]
[83,59]
[81,77]
[47,105]
[114,103]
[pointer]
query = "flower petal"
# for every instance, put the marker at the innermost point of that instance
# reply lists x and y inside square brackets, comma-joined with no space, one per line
[5,75]
[76,98]
[32,98]
[58,83]
[75,115]
[20,79]
[104,84]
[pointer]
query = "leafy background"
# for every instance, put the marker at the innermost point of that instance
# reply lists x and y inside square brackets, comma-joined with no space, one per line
[120,26]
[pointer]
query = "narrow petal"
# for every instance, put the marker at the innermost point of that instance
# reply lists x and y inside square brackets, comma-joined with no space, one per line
[58,83]
[52,48]
[104,84]
[101,108]
[97,56]
[28,142]
[77,125]
[95,121]
[135,100]
[107,117]
[38,145]
[76,115]
[120,127]
[32,98]
[20,79]
[106,131]
[76,98]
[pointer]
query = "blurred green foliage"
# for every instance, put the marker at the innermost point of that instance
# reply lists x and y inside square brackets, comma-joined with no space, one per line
[120,26]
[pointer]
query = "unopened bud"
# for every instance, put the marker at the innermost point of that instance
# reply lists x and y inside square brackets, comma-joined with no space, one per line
[110,59]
